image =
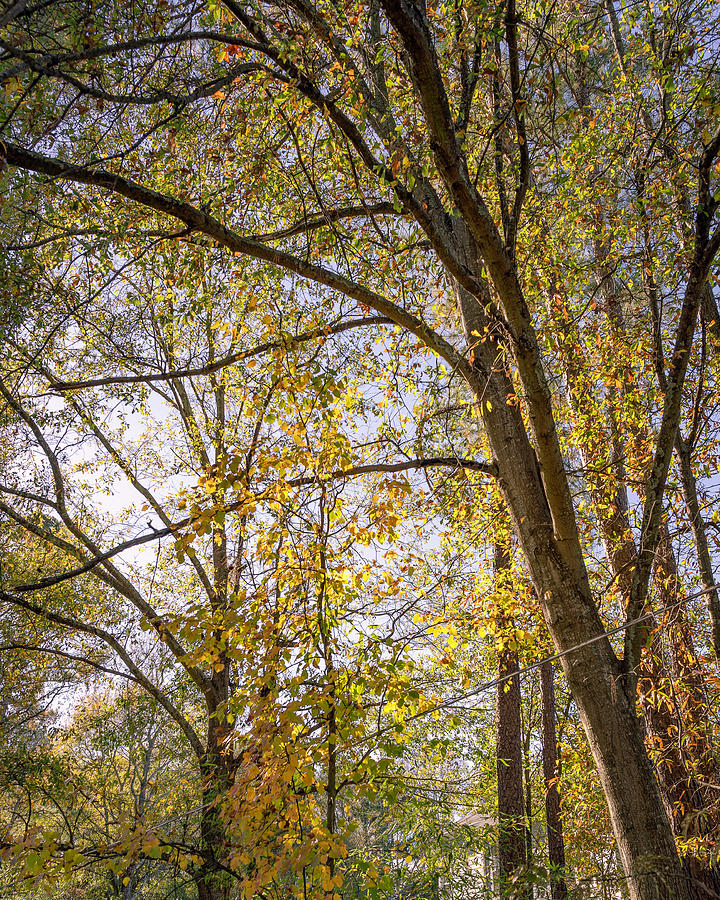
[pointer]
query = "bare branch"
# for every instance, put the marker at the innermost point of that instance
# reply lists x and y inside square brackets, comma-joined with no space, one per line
[225,361]
[326,218]
[114,644]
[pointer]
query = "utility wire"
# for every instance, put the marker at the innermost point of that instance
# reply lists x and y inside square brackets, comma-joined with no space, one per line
[486,686]
[607,634]
[483,687]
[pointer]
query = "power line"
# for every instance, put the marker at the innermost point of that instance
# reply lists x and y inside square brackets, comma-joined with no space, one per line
[531,667]
[606,634]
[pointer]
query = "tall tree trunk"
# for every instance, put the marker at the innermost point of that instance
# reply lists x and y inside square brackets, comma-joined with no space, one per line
[213,882]
[527,782]
[511,813]
[670,678]
[692,503]
[595,677]
[551,773]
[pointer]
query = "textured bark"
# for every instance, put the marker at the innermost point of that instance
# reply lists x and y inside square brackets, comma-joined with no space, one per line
[511,813]
[551,773]
[511,802]
[213,882]
[527,784]
[640,823]
[707,576]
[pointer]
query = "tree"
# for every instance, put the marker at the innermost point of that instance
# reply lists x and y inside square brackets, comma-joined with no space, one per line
[512,856]
[556,843]
[431,131]
[266,583]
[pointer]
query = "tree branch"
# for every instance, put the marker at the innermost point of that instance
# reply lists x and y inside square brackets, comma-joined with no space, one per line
[328,217]
[114,644]
[223,362]
[487,468]
[202,222]
[32,648]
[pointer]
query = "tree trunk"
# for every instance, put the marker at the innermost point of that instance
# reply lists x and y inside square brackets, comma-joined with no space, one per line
[213,882]
[670,678]
[551,772]
[511,814]
[640,823]
[690,496]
